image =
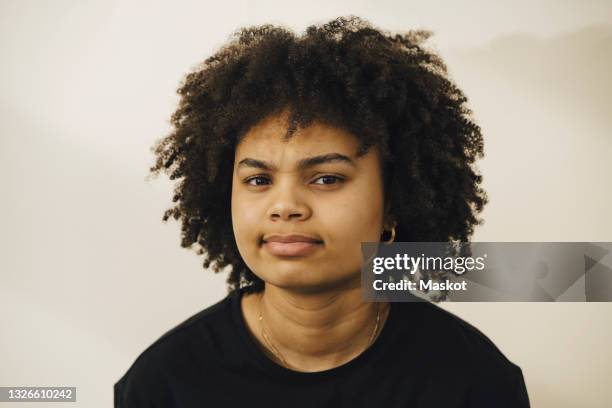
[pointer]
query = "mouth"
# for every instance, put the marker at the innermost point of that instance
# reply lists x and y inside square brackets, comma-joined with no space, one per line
[291,246]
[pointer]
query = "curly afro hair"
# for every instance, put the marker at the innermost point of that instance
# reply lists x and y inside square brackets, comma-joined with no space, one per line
[386,89]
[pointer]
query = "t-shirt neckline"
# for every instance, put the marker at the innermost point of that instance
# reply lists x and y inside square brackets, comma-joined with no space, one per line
[272,367]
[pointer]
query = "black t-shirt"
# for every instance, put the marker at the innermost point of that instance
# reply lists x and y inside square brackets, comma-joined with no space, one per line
[423,357]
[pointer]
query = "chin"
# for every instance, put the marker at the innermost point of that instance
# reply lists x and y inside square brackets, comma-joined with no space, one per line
[302,280]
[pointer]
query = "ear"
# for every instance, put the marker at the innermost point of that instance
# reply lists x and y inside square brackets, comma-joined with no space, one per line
[387,216]
[388,222]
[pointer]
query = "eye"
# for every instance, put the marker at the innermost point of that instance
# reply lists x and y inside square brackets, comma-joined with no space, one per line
[325,180]
[259,181]
[330,179]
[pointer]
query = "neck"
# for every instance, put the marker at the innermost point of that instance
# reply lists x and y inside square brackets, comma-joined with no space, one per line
[313,331]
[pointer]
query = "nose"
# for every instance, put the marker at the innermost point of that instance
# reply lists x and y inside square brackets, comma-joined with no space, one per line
[288,204]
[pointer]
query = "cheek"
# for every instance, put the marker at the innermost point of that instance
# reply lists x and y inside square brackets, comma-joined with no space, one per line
[358,223]
[244,220]
[367,208]
[354,220]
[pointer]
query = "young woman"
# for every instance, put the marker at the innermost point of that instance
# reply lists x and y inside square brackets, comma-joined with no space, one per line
[290,151]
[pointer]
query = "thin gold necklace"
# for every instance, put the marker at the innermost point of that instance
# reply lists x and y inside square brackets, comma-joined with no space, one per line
[277,352]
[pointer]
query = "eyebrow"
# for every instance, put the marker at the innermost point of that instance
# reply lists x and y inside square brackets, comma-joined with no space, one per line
[302,164]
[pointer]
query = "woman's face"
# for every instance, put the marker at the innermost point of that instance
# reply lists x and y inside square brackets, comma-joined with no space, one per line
[312,185]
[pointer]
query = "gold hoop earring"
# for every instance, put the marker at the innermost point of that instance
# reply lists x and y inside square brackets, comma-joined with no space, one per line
[390,240]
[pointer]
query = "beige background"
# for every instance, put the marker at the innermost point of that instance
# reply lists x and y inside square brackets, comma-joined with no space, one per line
[89,276]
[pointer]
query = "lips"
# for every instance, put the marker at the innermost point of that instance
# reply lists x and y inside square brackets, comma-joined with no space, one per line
[291,238]
[291,245]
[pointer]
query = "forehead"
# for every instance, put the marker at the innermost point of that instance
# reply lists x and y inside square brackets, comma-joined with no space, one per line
[267,139]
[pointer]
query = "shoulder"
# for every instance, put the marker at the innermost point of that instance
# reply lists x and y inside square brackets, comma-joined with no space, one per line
[449,340]
[449,348]
[151,375]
